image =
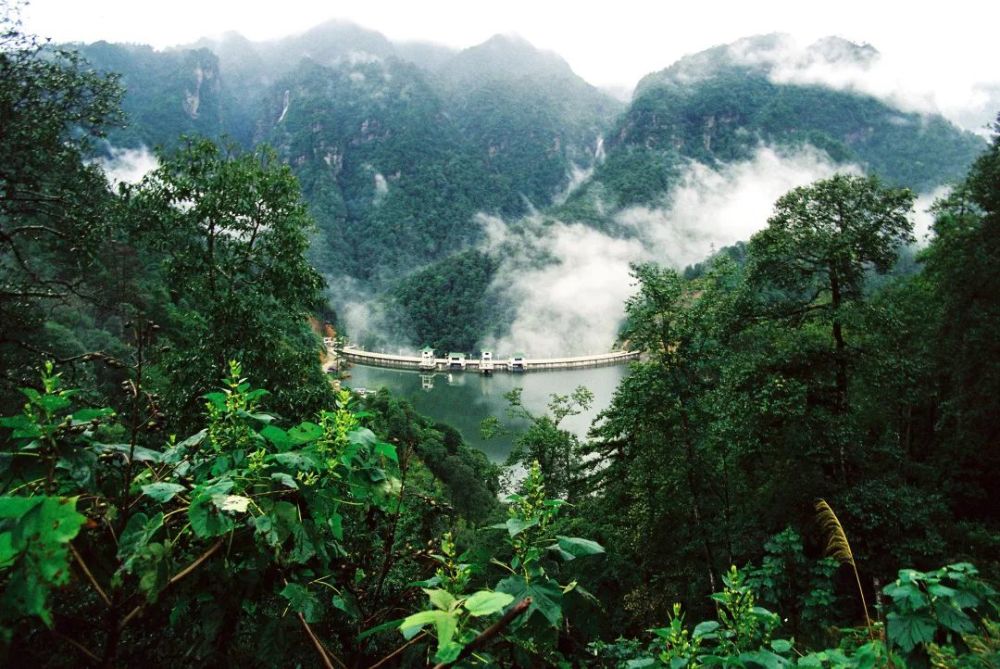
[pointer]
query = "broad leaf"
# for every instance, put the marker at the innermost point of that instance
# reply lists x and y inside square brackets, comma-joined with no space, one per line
[305,432]
[303,601]
[163,491]
[515,525]
[285,480]
[909,631]
[546,598]
[578,547]
[441,599]
[387,451]
[485,602]
[231,503]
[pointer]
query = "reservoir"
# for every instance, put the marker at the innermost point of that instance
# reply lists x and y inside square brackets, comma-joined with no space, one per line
[464,399]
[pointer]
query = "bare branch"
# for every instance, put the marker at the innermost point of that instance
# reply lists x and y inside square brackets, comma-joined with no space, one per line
[90,576]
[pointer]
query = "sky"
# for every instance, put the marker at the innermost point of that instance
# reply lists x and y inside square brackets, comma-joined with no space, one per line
[946,50]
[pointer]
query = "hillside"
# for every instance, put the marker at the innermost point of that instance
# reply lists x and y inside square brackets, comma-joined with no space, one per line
[398,147]
[720,105]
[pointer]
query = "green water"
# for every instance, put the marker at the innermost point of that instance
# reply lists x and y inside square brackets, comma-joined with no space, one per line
[464,399]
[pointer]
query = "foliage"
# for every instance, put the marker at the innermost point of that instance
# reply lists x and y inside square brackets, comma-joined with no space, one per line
[231,233]
[927,619]
[529,588]
[55,213]
[446,305]
[292,506]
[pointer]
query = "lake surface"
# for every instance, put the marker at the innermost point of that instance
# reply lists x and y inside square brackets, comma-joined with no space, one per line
[464,399]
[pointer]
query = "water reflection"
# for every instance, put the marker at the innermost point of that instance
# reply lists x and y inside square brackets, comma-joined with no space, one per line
[464,399]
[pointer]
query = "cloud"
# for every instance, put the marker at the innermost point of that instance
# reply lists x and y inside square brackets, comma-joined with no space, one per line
[127,165]
[710,208]
[569,282]
[361,313]
[842,65]
[568,286]
[922,217]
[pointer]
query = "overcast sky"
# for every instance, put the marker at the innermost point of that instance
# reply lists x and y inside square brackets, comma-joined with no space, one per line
[948,50]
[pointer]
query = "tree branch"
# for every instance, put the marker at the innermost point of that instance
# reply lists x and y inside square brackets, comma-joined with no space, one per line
[181,574]
[90,576]
[326,657]
[399,650]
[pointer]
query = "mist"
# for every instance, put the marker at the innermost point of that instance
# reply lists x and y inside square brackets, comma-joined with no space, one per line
[569,282]
[127,165]
[860,68]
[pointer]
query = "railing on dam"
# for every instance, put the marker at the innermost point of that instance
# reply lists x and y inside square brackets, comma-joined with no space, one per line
[357,355]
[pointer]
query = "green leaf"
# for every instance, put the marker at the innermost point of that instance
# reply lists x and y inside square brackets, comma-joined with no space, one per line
[578,547]
[441,599]
[207,520]
[88,415]
[54,403]
[909,631]
[704,629]
[640,663]
[139,531]
[445,626]
[139,453]
[781,646]
[546,598]
[362,437]
[163,491]
[515,525]
[485,602]
[387,451]
[303,601]
[412,623]
[347,604]
[764,658]
[378,629]
[299,460]
[953,618]
[15,507]
[285,479]
[277,436]
[449,652]
[304,433]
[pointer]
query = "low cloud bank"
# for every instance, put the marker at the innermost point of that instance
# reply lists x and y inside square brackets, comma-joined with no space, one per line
[569,282]
[841,65]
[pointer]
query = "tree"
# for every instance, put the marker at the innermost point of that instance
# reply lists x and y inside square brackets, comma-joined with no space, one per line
[812,258]
[962,278]
[54,207]
[231,231]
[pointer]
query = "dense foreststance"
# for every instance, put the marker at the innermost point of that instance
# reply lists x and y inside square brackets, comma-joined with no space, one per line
[798,472]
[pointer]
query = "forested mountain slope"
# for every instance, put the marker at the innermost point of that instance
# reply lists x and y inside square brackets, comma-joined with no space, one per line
[399,147]
[720,105]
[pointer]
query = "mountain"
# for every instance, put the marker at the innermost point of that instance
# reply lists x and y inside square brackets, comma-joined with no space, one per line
[526,109]
[169,93]
[720,105]
[398,147]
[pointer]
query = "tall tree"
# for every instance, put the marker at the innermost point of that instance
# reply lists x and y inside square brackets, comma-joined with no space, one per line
[54,207]
[232,231]
[812,258]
